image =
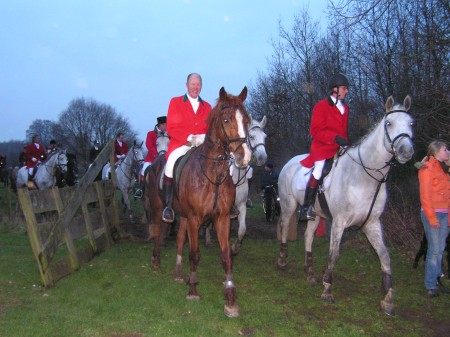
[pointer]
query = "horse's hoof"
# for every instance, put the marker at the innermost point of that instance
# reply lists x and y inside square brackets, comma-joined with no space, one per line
[234,250]
[156,262]
[281,264]
[327,298]
[193,297]
[180,279]
[312,279]
[231,312]
[387,308]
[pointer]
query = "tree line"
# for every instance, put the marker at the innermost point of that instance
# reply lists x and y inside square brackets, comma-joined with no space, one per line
[385,47]
[83,122]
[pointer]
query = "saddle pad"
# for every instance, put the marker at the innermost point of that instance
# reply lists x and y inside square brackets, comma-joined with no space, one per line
[301,177]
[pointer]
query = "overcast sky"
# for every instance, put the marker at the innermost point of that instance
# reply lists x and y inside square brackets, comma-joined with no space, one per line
[132,55]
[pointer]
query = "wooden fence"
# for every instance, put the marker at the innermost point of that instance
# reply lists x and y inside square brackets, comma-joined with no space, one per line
[68,226]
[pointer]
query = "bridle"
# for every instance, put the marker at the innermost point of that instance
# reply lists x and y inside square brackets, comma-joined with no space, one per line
[389,164]
[162,135]
[253,148]
[223,175]
[131,176]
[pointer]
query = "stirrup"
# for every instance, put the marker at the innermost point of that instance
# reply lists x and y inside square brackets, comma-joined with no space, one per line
[168,215]
[310,214]
[138,193]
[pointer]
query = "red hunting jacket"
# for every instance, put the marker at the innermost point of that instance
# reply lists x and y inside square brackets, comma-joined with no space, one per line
[119,150]
[150,143]
[182,121]
[31,151]
[327,122]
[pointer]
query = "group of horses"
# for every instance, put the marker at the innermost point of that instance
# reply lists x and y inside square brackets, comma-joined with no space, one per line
[352,194]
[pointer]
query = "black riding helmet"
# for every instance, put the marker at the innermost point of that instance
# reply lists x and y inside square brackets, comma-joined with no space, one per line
[338,80]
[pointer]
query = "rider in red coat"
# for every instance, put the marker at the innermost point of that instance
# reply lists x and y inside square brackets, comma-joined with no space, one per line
[328,131]
[120,148]
[34,154]
[150,142]
[187,126]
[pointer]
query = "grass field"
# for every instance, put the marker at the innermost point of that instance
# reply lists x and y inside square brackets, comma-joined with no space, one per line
[119,294]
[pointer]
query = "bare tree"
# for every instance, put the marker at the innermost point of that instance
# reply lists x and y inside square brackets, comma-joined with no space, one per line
[86,120]
[42,127]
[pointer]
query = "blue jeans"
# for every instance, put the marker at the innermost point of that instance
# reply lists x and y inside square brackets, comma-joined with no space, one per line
[436,237]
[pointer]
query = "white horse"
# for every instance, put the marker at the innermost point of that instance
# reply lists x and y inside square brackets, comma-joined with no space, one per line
[256,140]
[126,173]
[355,192]
[44,176]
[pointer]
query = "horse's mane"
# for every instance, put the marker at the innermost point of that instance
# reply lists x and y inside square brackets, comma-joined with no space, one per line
[397,106]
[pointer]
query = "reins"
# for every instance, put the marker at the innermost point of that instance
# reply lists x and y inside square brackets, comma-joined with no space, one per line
[220,178]
[130,176]
[389,164]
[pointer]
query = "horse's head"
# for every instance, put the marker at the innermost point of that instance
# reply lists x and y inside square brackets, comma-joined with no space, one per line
[136,152]
[398,129]
[162,142]
[257,140]
[228,126]
[61,160]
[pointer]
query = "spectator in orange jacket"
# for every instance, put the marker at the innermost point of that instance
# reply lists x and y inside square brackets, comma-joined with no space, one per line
[434,184]
[187,126]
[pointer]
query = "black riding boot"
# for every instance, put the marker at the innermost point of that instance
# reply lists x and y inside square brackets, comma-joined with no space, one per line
[168,214]
[310,197]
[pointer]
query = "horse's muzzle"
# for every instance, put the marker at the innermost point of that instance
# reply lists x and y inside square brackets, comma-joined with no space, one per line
[404,150]
[242,156]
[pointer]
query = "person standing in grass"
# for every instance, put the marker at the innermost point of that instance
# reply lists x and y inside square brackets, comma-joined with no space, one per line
[434,182]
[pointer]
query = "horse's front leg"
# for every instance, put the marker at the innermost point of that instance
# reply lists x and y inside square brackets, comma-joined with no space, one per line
[374,234]
[309,238]
[194,258]
[337,230]
[181,238]
[242,228]
[222,225]
[287,211]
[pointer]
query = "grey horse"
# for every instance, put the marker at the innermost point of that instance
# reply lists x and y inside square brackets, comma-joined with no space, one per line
[355,192]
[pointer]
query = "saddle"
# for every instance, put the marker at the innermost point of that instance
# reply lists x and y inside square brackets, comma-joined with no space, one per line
[178,168]
[321,185]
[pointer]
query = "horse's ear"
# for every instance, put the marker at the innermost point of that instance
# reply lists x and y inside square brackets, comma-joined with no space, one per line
[263,122]
[389,104]
[243,94]
[141,143]
[222,93]
[250,118]
[407,103]
[134,143]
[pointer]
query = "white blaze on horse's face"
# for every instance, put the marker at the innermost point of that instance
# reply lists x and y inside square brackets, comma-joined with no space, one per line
[241,162]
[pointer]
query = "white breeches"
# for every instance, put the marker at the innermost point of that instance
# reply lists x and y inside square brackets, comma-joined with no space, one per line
[318,168]
[144,166]
[174,155]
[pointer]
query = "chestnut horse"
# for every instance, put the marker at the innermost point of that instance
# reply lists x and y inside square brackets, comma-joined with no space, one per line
[204,190]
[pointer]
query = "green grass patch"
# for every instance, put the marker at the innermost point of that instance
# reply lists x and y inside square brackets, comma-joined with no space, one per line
[119,294]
